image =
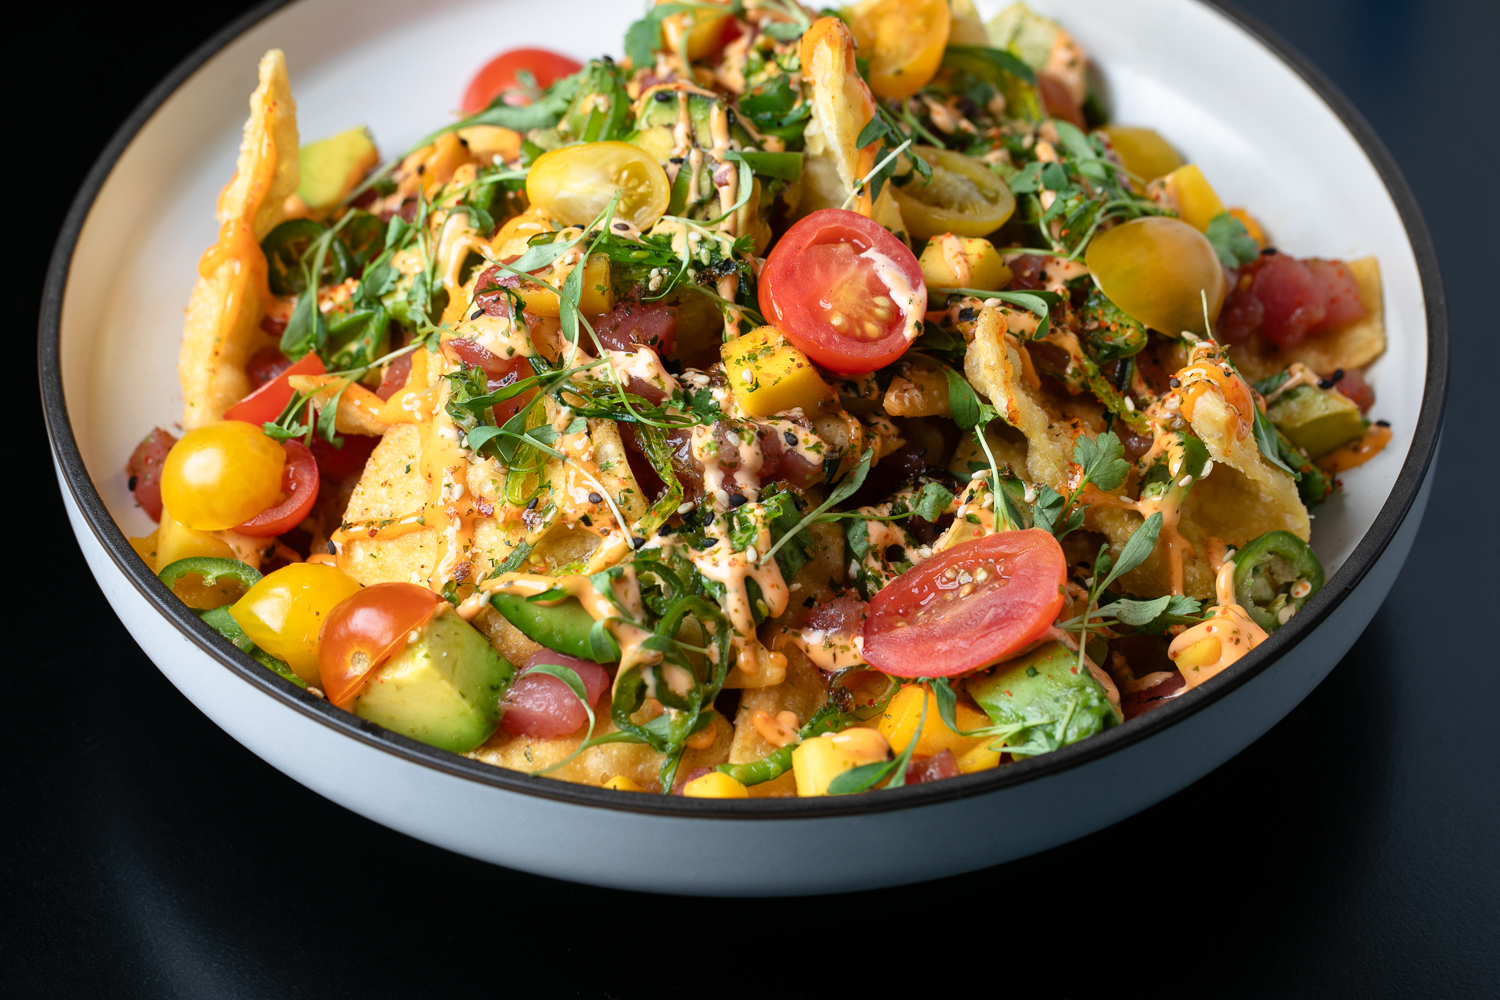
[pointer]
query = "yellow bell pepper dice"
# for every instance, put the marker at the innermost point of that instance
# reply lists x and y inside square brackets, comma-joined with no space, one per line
[620,783]
[770,376]
[1143,151]
[899,723]
[981,758]
[1196,200]
[951,261]
[330,168]
[816,762]
[715,785]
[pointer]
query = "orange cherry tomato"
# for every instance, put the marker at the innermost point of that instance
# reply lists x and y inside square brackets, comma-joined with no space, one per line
[365,630]
[844,291]
[976,604]
[903,40]
[299,481]
[501,74]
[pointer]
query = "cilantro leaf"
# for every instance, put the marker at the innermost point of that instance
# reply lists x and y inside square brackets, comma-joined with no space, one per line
[963,402]
[932,501]
[1102,459]
[1231,241]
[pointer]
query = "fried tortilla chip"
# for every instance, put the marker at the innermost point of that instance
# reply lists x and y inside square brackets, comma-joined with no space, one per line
[803,691]
[224,313]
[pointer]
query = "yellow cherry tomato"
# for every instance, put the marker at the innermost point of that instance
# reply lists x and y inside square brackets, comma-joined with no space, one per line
[284,613]
[1158,270]
[903,40]
[221,475]
[1143,151]
[965,197]
[574,184]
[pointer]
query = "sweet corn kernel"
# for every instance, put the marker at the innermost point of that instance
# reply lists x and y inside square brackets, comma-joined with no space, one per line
[620,783]
[770,376]
[816,762]
[1196,200]
[899,723]
[963,262]
[715,785]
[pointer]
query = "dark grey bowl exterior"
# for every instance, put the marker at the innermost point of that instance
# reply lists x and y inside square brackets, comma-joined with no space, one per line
[779,846]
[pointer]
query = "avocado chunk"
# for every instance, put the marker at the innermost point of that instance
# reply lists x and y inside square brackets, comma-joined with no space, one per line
[444,689]
[332,167]
[1046,691]
[1316,420]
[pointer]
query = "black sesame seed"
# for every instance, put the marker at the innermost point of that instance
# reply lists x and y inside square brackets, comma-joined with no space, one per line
[1325,383]
[1382,423]
[531,504]
[1338,375]
[663,96]
[894,553]
[808,603]
[637,541]
[665,529]
[595,498]
[332,549]
[708,518]
[588,522]
[679,160]
[730,117]
[1269,252]
[1175,382]
[131,484]
[476,314]
[738,500]
[967,314]
[791,439]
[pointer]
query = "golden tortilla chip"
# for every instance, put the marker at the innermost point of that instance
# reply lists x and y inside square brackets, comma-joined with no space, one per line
[223,316]
[803,691]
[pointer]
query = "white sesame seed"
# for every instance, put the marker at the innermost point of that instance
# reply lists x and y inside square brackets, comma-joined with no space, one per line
[1285,614]
[1129,404]
[1208,466]
[683,508]
[1185,482]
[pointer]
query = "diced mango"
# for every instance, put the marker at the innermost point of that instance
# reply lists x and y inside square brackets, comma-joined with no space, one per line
[951,261]
[899,723]
[770,376]
[1195,198]
[515,236]
[486,142]
[1252,228]
[332,167]
[816,762]
[620,783]
[1143,151]
[597,296]
[981,758]
[1199,654]
[176,541]
[146,549]
[715,785]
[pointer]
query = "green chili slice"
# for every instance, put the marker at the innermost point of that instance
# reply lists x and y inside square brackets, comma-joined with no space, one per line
[223,622]
[827,719]
[1275,572]
[211,568]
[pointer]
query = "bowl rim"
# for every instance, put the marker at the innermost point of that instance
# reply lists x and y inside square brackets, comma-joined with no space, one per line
[1366,552]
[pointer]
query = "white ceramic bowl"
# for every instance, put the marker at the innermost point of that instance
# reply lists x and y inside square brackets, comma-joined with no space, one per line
[1273,134]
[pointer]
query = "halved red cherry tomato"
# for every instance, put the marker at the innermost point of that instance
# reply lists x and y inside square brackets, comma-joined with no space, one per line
[970,606]
[499,75]
[844,291]
[144,470]
[299,481]
[364,630]
[267,402]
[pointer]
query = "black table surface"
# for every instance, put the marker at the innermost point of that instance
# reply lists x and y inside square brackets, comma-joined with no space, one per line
[1352,851]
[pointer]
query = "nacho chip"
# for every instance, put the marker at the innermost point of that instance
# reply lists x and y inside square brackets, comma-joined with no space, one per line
[223,316]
